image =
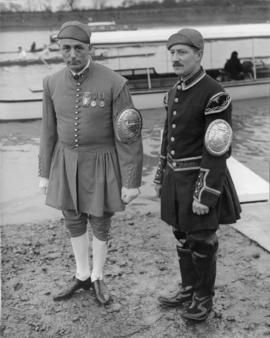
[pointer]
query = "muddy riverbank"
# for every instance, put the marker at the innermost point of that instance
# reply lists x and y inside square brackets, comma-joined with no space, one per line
[37,261]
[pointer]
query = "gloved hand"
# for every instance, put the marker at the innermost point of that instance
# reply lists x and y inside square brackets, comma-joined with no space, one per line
[129,194]
[158,189]
[43,185]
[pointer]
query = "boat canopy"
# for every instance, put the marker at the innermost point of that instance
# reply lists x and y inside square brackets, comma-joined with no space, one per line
[101,23]
[210,33]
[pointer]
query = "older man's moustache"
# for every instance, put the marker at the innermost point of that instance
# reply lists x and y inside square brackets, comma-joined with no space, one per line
[74,63]
[177,64]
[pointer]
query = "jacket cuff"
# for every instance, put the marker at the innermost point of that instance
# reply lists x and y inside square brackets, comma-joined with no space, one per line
[132,177]
[203,193]
[160,170]
[42,170]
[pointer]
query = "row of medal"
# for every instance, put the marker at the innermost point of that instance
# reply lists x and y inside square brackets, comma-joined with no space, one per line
[93,99]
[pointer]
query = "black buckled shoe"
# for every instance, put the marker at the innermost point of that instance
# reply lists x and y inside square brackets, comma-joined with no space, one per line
[177,298]
[199,308]
[101,292]
[78,284]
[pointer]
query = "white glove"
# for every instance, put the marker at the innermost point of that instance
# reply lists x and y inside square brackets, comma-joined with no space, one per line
[127,195]
[199,208]
[43,185]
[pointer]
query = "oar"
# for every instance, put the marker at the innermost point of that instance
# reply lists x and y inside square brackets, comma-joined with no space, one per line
[45,62]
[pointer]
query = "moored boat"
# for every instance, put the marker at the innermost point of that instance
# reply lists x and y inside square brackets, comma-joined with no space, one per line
[143,96]
[151,74]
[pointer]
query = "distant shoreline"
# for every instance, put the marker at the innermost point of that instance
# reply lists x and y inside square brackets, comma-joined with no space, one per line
[193,15]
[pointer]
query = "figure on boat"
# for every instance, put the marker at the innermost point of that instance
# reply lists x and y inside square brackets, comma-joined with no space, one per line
[233,68]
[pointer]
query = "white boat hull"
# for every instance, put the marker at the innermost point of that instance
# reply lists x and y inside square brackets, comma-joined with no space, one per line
[238,91]
[248,89]
[144,99]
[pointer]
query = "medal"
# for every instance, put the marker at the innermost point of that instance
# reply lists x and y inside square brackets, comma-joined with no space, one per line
[101,102]
[86,98]
[94,100]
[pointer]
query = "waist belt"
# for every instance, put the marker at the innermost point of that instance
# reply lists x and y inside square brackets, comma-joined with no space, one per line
[182,164]
[101,148]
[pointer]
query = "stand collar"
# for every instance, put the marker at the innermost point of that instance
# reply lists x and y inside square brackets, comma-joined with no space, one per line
[81,71]
[190,81]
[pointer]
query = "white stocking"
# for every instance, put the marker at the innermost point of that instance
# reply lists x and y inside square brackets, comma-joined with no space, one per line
[99,258]
[80,246]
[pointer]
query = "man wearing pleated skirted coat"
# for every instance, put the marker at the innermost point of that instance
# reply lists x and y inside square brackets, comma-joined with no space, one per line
[90,155]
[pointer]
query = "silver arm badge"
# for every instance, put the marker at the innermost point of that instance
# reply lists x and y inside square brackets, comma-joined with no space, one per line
[218,137]
[128,125]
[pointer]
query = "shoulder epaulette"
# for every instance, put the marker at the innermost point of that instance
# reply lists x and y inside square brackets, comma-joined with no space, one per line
[218,103]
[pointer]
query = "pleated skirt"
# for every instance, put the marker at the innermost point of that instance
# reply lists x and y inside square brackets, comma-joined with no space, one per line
[177,197]
[86,179]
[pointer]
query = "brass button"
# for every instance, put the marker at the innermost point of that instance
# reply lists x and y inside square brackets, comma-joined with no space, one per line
[179,87]
[173,125]
[172,152]
[76,123]
[174,112]
[172,139]
[174,164]
[176,99]
[75,129]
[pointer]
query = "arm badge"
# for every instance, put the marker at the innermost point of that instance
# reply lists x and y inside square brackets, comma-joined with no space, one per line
[128,125]
[218,137]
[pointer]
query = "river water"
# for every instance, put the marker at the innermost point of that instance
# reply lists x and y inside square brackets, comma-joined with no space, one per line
[251,118]
[10,41]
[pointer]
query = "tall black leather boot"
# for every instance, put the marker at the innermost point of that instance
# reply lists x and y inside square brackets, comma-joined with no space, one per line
[189,279]
[202,301]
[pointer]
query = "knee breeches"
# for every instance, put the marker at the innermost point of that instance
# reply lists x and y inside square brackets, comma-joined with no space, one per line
[76,224]
[203,242]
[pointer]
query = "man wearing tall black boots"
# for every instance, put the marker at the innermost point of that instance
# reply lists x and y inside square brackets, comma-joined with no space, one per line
[192,179]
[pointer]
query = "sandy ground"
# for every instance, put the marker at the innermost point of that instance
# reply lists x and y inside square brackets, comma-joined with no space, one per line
[37,261]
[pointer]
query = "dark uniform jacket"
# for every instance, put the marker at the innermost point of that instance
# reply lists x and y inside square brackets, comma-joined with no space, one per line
[79,153]
[186,169]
